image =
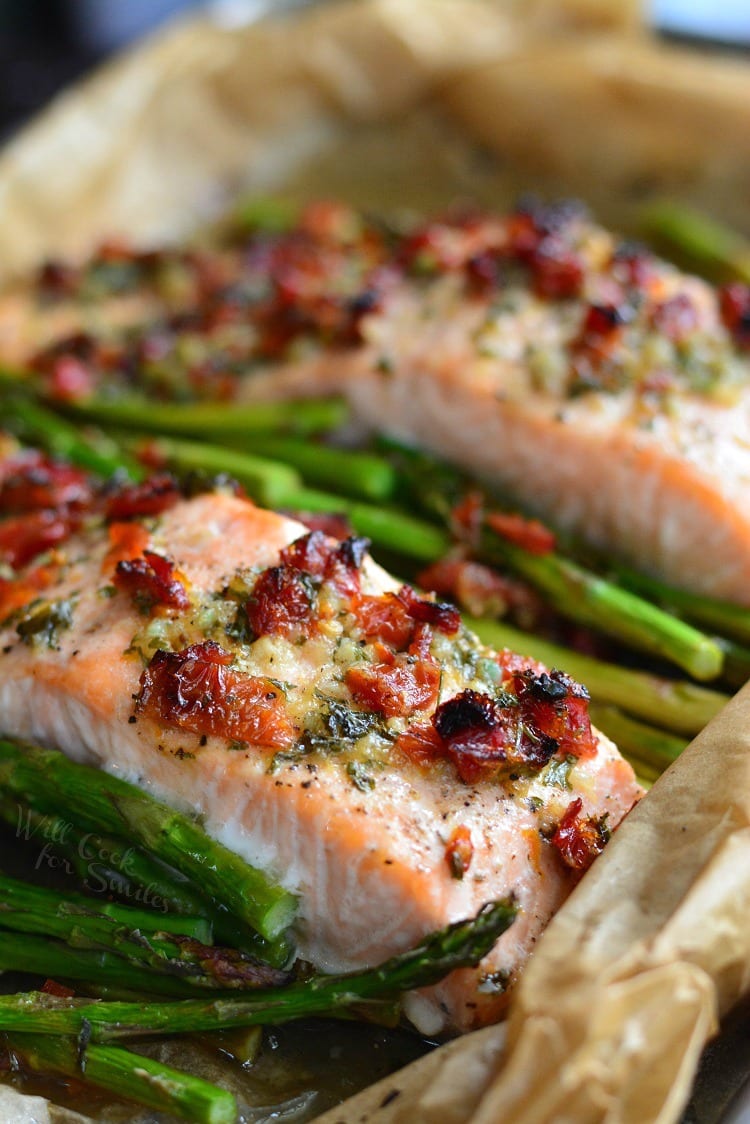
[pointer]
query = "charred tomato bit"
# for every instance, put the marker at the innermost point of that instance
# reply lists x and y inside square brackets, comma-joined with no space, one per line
[150,580]
[459,851]
[283,603]
[338,563]
[734,305]
[196,689]
[384,618]
[421,743]
[151,497]
[529,534]
[556,707]
[442,616]
[578,838]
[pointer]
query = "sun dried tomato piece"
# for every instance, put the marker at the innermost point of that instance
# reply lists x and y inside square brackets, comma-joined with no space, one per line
[338,563]
[579,839]
[421,743]
[31,481]
[16,594]
[482,734]
[70,379]
[442,616]
[150,581]
[529,534]
[556,707]
[557,271]
[676,318]
[734,305]
[384,618]
[23,537]
[467,517]
[283,603]
[197,690]
[459,851]
[151,497]
[127,540]
[394,689]
[60,991]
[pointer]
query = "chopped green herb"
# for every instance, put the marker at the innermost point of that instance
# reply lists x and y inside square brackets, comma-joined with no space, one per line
[359,776]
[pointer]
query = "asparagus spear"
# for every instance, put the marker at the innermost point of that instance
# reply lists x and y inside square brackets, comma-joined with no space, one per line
[31,909]
[460,945]
[267,481]
[52,783]
[580,595]
[575,592]
[128,1075]
[722,617]
[703,243]
[137,877]
[34,423]
[204,419]
[675,705]
[651,749]
[352,472]
[25,952]
[386,527]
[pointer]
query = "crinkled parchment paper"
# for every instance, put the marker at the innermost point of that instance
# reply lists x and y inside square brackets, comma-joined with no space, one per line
[414,103]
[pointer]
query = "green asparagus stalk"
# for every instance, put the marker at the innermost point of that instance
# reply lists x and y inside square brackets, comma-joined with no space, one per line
[710,247]
[648,747]
[52,783]
[354,473]
[460,945]
[580,595]
[38,425]
[108,865]
[674,705]
[214,419]
[266,481]
[31,909]
[50,959]
[721,617]
[126,916]
[386,527]
[736,662]
[573,591]
[128,1075]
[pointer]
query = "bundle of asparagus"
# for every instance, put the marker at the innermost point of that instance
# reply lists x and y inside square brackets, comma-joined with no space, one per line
[160,965]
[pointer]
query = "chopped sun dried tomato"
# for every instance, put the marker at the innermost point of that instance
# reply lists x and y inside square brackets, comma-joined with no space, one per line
[197,690]
[23,537]
[441,616]
[421,743]
[15,594]
[579,839]
[127,540]
[467,516]
[70,379]
[394,689]
[150,581]
[459,851]
[734,304]
[556,707]
[335,562]
[283,603]
[384,618]
[529,534]
[52,987]
[31,482]
[676,318]
[480,590]
[152,497]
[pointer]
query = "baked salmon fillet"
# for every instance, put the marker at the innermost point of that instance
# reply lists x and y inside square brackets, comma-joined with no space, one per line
[334,728]
[599,387]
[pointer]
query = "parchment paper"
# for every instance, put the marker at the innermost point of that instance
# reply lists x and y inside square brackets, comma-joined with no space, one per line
[409,103]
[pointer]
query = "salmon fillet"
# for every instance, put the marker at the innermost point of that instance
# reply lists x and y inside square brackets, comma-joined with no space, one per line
[600,388]
[333,728]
